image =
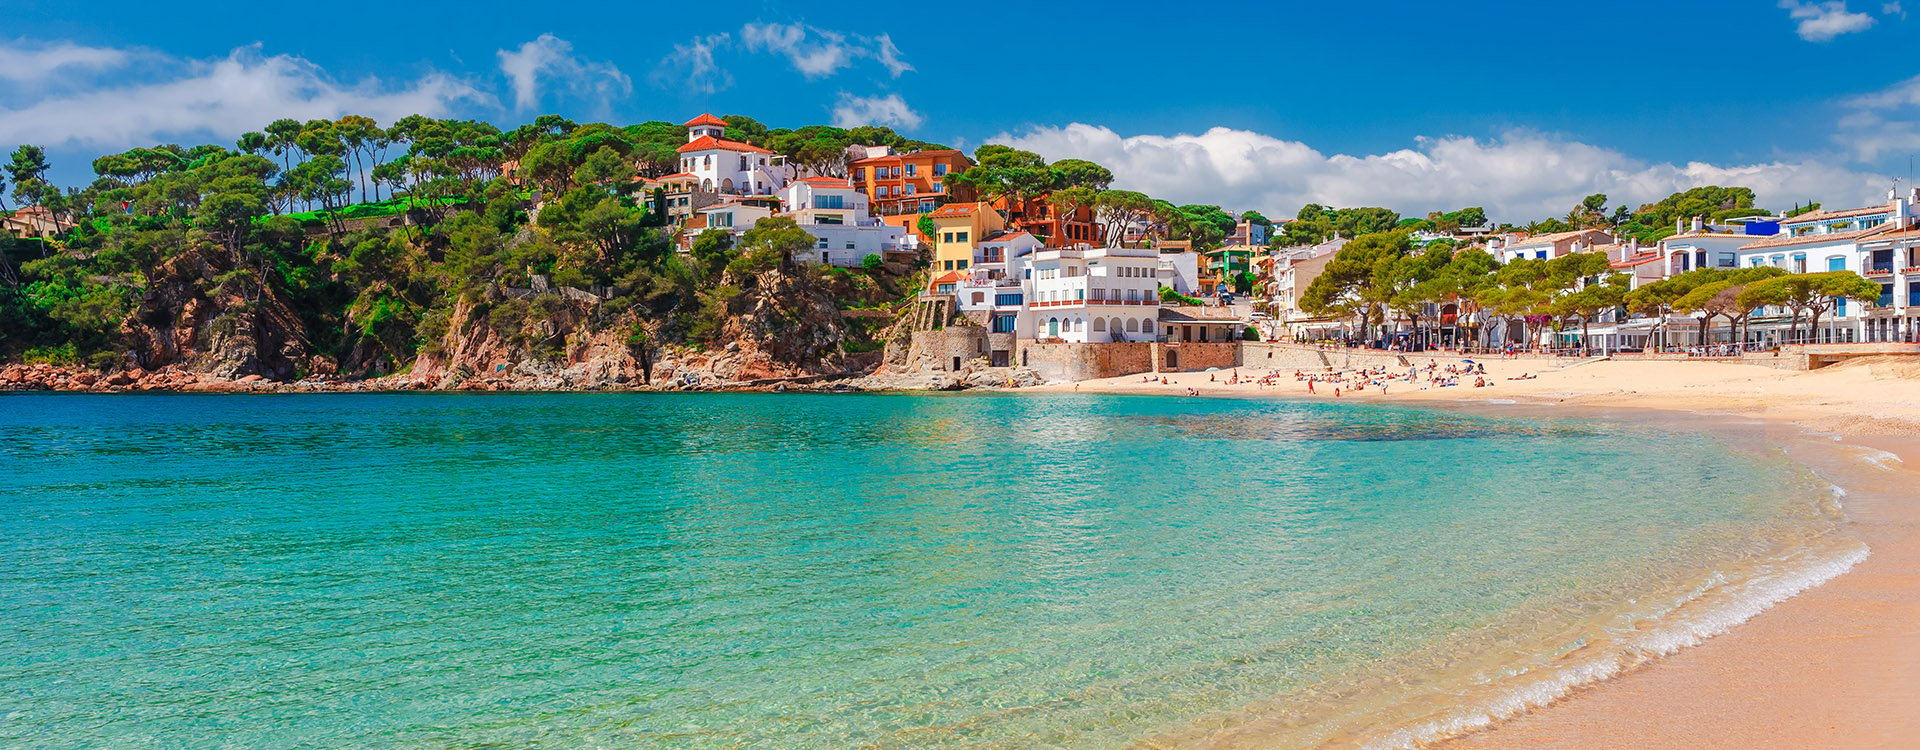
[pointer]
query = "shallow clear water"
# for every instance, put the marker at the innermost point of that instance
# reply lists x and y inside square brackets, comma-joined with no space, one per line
[587,570]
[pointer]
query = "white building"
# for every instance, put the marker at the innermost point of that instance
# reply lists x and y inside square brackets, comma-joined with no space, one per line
[730,167]
[1294,269]
[1547,246]
[994,286]
[734,216]
[840,219]
[1083,295]
[1874,242]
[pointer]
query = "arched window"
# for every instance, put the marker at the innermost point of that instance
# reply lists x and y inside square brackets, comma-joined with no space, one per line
[1133,326]
[1115,325]
[1099,325]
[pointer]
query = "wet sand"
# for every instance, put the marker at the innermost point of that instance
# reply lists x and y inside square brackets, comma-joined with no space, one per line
[1837,666]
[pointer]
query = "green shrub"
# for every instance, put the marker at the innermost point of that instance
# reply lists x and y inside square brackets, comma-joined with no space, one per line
[63,355]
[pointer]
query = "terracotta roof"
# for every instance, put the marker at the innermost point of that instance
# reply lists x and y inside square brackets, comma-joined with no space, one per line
[710,143]
[1637,260]
[1787,240]
[706,119]
[1904,234]
[904,157]
[1005,237]
[1706,233]
[1831,215]
[1548,239]
[958,209]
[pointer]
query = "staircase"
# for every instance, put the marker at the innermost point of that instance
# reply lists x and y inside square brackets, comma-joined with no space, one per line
[932,311]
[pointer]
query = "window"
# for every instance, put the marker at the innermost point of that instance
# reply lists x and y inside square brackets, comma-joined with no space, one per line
[1728,260]
[743,163]
[960,265]
[1003,323]
[939,170]
[1886,295]
[850,244]
[1006,300]
[829,201]
[1837,263]
[1537,254]
[911,168]
[829,219]
[909,188]
[946,236]
[962,236]
[936,186]
[822,244]
[1799,264]
[721,219]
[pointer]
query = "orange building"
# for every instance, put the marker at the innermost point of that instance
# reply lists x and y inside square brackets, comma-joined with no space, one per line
[900,184]
[1043,220]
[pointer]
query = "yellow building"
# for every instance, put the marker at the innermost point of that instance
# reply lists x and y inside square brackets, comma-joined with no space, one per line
[958,227]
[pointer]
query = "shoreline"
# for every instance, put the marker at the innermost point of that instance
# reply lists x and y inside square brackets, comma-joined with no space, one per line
[1831,664]
[1835,663]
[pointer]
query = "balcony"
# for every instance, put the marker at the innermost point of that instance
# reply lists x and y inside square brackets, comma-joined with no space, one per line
[1878,270]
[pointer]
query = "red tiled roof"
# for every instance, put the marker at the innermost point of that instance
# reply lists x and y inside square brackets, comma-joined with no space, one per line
[1637,260]
[706,119]
[710,143]
[1787,240]
[1005,237]
[1548,239]
[902,157]
[1831,215]
[958,209]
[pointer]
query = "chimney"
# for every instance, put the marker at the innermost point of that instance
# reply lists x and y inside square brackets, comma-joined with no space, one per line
[1679,226]
[1698,224]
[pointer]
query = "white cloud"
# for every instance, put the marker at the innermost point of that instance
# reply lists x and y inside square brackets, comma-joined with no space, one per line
[691,66]
[818,53]
[225,97]
[1822,21]
[1518,177]
[551,58]
[890,110]
[1894,10]
[20,63]
[815,52]
[1883,122]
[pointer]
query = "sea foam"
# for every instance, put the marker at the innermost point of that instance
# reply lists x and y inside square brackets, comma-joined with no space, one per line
[1741,603]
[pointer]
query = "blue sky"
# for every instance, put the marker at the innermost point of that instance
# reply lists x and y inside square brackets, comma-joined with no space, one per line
[1520,106]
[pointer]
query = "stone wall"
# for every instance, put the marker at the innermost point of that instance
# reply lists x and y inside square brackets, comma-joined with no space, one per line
[1190,356]
[937,351]
[1070,362]
[1060,361]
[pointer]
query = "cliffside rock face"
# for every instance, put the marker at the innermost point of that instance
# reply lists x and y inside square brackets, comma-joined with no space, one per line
[547,341]
[781,325]
[230,329]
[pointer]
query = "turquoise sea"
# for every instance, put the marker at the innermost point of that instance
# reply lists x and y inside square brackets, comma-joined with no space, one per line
[830,571]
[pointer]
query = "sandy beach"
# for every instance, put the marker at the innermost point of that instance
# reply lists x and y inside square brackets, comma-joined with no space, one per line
[1837,666]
